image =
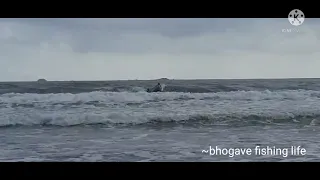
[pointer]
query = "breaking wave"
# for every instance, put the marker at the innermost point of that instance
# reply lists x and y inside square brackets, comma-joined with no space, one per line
[235,108]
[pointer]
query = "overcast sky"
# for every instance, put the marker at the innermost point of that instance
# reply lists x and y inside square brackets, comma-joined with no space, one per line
[106,49]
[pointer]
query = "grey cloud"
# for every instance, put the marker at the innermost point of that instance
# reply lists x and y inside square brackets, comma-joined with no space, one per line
[132,48]
[147,35]
[162,26]
[99,35]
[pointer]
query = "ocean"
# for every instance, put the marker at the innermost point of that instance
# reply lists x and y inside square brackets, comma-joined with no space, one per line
[191,121]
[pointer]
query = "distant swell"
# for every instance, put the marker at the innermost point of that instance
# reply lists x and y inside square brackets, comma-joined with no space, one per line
[191,86]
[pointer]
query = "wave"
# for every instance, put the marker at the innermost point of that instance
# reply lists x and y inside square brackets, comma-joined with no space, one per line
[141,96]
[191,86]
[136,108]
[125,119]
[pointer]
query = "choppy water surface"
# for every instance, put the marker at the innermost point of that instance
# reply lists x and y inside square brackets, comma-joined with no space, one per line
[119,121]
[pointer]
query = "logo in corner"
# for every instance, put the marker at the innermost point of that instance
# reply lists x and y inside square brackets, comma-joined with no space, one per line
[296,17]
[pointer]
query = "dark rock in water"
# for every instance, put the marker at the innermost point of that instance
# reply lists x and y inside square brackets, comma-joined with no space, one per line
[42,80]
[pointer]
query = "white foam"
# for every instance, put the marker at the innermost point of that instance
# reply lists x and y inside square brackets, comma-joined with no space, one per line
[128,107]
[122,97]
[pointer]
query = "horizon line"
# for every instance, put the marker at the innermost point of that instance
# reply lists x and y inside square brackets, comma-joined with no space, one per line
[164,79]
